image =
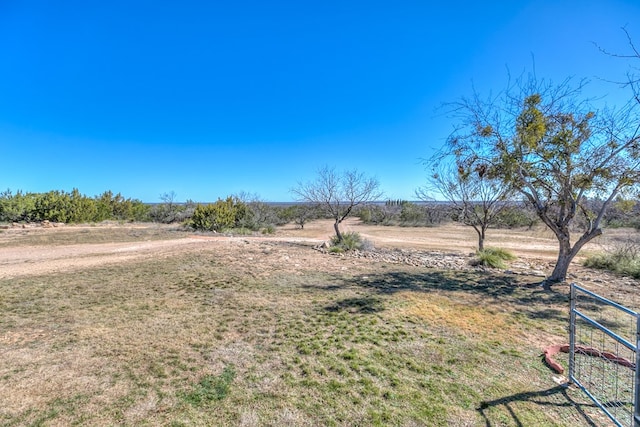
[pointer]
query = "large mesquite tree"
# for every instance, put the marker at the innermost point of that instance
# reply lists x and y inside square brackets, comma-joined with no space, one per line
[557,153]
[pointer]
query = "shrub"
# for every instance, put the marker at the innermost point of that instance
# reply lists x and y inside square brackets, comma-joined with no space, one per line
[624,259]
[493,257]
[336,249]
[223,214]
[412,214]
[350,241]
[269,229]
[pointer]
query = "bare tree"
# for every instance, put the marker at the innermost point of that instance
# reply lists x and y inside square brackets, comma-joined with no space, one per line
[556,152]
[338,194]
[476,196]
[169,199]
[169,210]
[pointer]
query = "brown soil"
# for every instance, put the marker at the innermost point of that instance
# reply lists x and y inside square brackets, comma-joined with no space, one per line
[38,250]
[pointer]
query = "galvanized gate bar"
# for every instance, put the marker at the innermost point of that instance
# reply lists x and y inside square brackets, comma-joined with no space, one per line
[574,315]
[604,300]
[604,329]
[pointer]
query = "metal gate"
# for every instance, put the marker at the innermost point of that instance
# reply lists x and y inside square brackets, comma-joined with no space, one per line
[603,357]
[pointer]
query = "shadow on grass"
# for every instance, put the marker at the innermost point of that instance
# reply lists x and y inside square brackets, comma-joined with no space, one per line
[541,398]
[534,301]
[362,305]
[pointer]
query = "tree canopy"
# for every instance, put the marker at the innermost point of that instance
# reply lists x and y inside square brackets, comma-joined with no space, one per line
[556,151]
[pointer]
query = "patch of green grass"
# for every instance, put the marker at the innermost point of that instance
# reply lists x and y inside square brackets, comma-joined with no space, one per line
[210,388]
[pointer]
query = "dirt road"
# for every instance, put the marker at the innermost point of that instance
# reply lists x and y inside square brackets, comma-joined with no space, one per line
[38,250]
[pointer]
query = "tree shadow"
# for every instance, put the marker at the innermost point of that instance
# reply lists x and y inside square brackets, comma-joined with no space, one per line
[563,399]
[362,305]
[534,301]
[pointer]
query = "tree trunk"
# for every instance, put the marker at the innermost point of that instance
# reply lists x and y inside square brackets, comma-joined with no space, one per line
[565,255]
[338,234]
[481,235]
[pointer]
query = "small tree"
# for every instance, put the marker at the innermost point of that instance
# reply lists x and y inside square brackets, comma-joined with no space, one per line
[468,184]
[300,214]
[338,194]
[554,151]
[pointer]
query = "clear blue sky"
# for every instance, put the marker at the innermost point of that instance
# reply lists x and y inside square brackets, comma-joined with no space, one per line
[210,98]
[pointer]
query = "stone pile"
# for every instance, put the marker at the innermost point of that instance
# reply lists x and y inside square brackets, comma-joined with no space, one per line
[439,260]
[429,259]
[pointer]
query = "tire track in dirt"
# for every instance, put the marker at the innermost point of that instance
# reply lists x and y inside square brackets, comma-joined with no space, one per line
[35,260]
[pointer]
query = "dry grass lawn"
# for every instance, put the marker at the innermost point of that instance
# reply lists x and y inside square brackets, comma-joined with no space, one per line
[255,331]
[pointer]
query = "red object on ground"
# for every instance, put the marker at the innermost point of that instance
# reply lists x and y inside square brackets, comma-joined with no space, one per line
[551,351]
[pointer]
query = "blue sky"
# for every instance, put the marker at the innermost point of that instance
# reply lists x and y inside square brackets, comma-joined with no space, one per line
[211,98]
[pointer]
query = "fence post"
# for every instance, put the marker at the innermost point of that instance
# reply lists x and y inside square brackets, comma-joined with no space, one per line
[572,333]
[636,397]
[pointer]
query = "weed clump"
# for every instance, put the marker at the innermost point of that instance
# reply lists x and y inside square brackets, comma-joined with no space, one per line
[350,241]
[493,257]
[268,229]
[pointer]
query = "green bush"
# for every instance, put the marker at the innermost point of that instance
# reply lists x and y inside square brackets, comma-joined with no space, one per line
[350,241]
[493,257]
[218,216]
[412,214]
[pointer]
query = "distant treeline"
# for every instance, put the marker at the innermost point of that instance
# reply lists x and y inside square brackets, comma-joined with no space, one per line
[514,214]
[224,214]
[242,214]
